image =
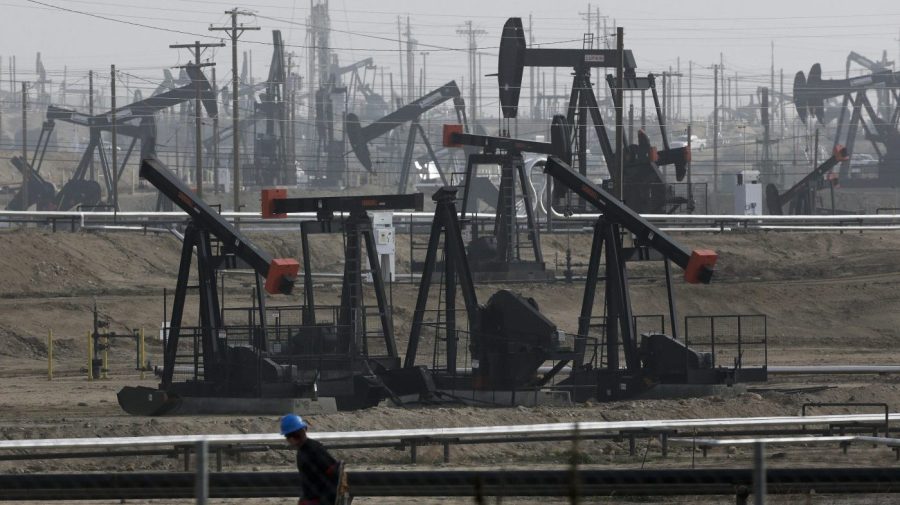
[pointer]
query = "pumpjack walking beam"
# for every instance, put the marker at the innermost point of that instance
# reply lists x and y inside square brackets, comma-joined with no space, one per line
[361,136]
[205,224]
[698,264]
[800,197]
[358,230]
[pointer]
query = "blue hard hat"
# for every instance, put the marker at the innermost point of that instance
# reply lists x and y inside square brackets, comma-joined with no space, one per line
[291,423]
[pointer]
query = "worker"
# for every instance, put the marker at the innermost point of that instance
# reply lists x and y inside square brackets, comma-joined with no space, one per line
[320,473]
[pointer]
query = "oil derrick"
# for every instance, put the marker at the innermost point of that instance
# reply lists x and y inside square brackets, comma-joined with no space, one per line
[270,164]
[770,170]
[327,166]
[40,85]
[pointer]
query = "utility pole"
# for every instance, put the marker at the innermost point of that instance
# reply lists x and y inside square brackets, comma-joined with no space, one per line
[234,32]
[400,56]
[115,159]
[667,88]
[772,69]
[215,163]
[410,63]
[197,49]
[25,144]
[291,91]
[690,93]
[1,108]
[715,133]
[531,74]
[473,69]
[678,98]
[91,113]
[424,73]
[620,97]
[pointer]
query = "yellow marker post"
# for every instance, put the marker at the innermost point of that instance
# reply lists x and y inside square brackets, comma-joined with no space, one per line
[105,369]
[50,355]
[90,348]
[143,359]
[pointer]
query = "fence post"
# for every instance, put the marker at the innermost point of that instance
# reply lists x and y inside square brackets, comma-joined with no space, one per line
[90,355]
[201,481]
[104,372]
[759,473]
[143,359]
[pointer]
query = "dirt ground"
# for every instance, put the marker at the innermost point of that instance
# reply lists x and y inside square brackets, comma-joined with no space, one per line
[829,298]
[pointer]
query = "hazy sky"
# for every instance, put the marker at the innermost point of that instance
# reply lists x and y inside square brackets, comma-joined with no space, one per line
[659,32]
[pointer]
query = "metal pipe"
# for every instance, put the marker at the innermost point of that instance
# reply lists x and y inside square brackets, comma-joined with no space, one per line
[493,482]
[832,369]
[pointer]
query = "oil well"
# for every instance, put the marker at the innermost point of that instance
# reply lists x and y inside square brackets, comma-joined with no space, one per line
[272,355]
[439,229]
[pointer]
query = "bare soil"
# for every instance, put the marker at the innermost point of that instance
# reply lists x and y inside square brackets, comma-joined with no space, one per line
[830,298]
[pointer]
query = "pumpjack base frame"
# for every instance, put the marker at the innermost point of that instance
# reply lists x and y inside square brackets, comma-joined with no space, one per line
[506,398]
[144,401]
[490,271]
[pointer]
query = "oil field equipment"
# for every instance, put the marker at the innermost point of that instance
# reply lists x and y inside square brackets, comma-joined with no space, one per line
[331,100]
[135,120]
[270,155]
[801,197]
[498,256]
[769,169]
[356,362]
[656,358]
[507,340]
[880,126]
[748,200]
[224,372]
[360,136]
[271,163]
[645,189]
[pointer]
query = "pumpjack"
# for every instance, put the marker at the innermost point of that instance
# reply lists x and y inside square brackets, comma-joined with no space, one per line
[331,101]
[801,197]
[657,358]
[498,255]
[360,136]
[135,120]
[507,339]
[226,369]
[645,188]
[355,361]
[881,130]
[267,103]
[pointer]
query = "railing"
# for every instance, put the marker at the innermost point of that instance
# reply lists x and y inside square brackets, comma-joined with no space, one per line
[733,340]
[201,484]
[685,222]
